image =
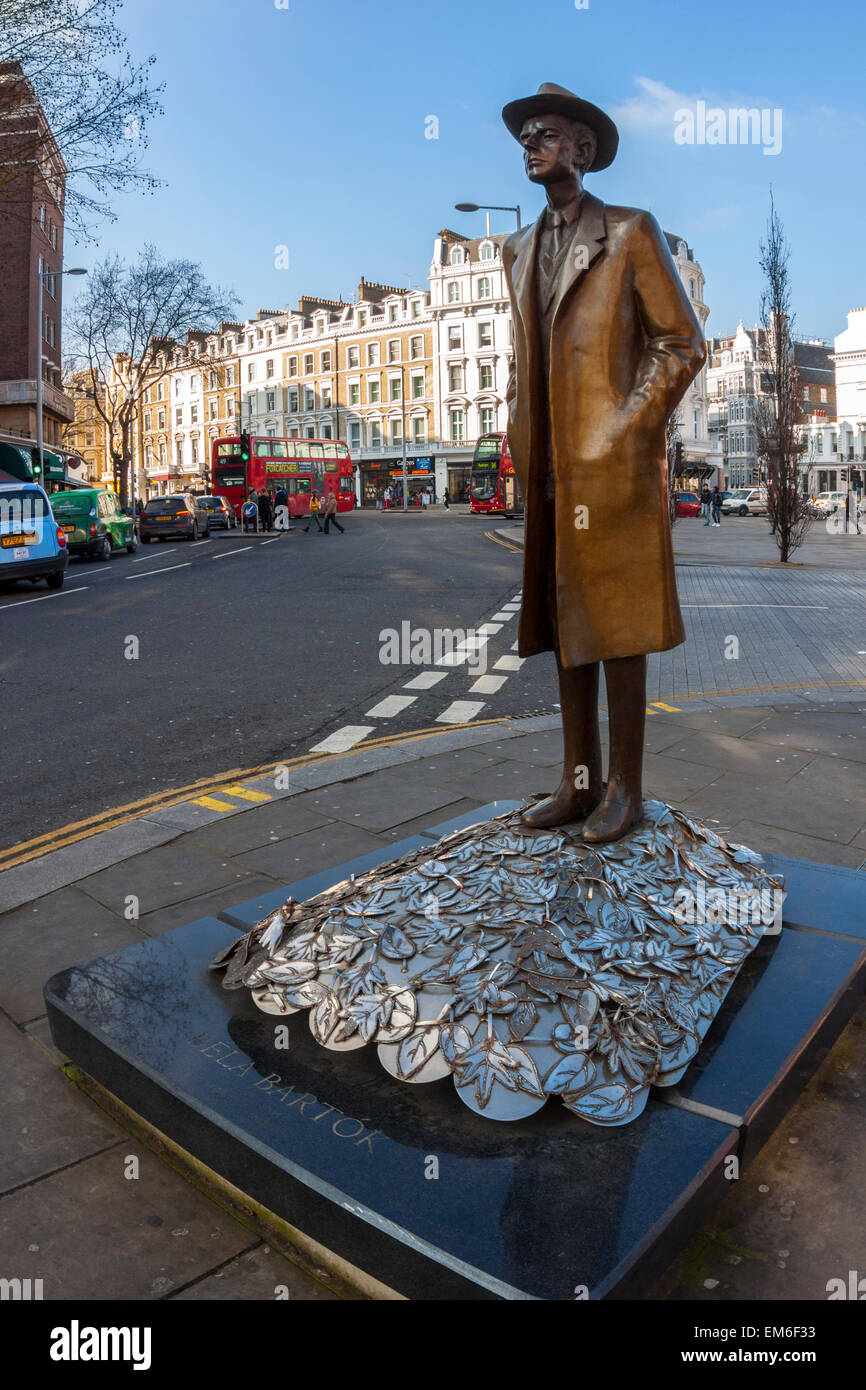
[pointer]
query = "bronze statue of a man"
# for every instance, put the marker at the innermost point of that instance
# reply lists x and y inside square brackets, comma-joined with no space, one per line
[605,345]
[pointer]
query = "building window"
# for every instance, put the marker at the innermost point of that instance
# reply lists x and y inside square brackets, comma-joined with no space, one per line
[293,400]
[194,450]
[454,292]
[309,432]
[419,431]
[42,216]
[178,415]
[394,350]
[325,359]
[147,420]
[485,335]
[373,391]
[455,337]
[418,387]
[193,414]
[326,432]
[353,357]
[293,366]
[373,354]
[195,383]
[486,251]
[395,389]
[355,434]
[416,309]
[823,394]
[485,287]
[487,416]
[456,257]
[251,371]
[160,390]
[270,401]
[178,453]
[160,419]
[212,379]
[375,436]
[691,288]
[355,393]
[457,426]
[416,348]
[309,401]
[230,408]
[697,424]
[485,376]
[230,376]
[455,377]
[269,368]
[362,318]
[326,399]
[392,313]
[212,410]
[396,431]
[308,364]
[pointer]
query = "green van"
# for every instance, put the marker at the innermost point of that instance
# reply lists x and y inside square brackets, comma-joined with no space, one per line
[93,523]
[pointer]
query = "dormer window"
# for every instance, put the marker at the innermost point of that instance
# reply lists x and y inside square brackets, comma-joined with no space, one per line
[457,257]
[486,251]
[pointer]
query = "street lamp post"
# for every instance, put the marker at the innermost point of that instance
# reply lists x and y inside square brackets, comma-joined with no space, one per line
[488,208]
[403,402]
[39,432]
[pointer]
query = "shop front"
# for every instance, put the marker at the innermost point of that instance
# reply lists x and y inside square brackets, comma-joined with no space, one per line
[380,474]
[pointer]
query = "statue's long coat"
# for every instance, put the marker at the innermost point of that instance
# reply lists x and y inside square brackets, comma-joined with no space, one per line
[624,345]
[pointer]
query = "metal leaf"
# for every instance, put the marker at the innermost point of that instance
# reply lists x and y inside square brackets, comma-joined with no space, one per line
[417,1049]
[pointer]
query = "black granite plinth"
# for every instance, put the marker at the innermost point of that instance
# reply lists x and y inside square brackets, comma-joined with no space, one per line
[337,1147]
[541,1208]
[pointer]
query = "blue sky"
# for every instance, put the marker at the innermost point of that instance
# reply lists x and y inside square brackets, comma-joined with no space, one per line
[304,126]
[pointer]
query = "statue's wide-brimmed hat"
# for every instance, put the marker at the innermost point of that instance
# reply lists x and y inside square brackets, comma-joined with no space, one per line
[561,102]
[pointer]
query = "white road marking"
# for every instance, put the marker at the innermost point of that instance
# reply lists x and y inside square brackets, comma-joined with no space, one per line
[511,607]
[460,712]
[487,629]
[142,558]
[426,680]
[514,646]
[344,738]
[391,705]
[42,597]
[502,617]
[509,663]
[224,553]
[487,685]
[165,569]
[209,541]
[270,542]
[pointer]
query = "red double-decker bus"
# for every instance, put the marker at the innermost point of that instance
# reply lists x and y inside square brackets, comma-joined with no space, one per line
[301,466]
[493,485]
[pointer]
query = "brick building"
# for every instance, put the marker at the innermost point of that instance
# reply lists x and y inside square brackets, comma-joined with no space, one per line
[31,241]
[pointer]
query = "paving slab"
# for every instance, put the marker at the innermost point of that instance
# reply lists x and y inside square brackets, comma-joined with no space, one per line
[770,839]
[422,825]
[316,850]
[441,768]
[259,1274]
[830,776]
[73,863]
[738,722]
[145,1236]
[61,1129]
[208,904]
[543,749]
[675,779]
[380,802]
[749,757]
[171,874]
[252,829]
[824,817]
[507,781]
[815,731]
[46,936]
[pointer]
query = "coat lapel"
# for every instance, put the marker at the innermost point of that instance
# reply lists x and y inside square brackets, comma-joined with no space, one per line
[587,244]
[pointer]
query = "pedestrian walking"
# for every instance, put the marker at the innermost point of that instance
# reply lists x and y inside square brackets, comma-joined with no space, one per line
[446,498]
[387,499]
[706,503]
[331,513]
[265,510]
[425,499]
[716,506]
[314,513]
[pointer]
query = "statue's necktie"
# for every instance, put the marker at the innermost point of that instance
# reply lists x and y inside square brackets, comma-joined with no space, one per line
[552,241]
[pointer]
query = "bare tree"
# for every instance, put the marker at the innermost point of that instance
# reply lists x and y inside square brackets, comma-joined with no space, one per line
[673,452]
[123,330]
[97,101]
[777,409]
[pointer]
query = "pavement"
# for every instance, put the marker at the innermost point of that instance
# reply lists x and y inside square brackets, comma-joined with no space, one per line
[781,772]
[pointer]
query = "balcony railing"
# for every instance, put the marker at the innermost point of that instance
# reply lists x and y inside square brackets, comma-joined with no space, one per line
[24,393]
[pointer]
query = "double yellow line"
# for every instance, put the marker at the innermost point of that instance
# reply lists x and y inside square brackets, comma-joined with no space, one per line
[120,815]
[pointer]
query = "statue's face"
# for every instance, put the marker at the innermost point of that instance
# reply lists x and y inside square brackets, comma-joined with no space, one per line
[552,147]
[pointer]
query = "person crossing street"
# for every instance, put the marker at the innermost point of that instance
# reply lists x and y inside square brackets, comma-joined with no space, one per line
[331,513]
[314,513]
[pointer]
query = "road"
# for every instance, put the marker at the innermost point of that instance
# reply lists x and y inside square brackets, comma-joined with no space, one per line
[189,660]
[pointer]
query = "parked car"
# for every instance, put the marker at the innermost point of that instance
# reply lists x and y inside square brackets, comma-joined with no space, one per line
[182,515]
[745,501]
[32,545]
[93,523]
[687,504]
[826,503]
[219,512]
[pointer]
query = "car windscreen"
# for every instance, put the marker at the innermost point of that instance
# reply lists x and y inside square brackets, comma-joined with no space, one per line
[741,492]
[70,504]
[20,508]
[160,506]
[211,504]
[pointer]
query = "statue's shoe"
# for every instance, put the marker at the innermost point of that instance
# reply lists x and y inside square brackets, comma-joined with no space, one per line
[565,805]
[613,818]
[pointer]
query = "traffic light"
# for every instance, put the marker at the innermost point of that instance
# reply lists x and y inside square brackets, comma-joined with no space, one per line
[245,446]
